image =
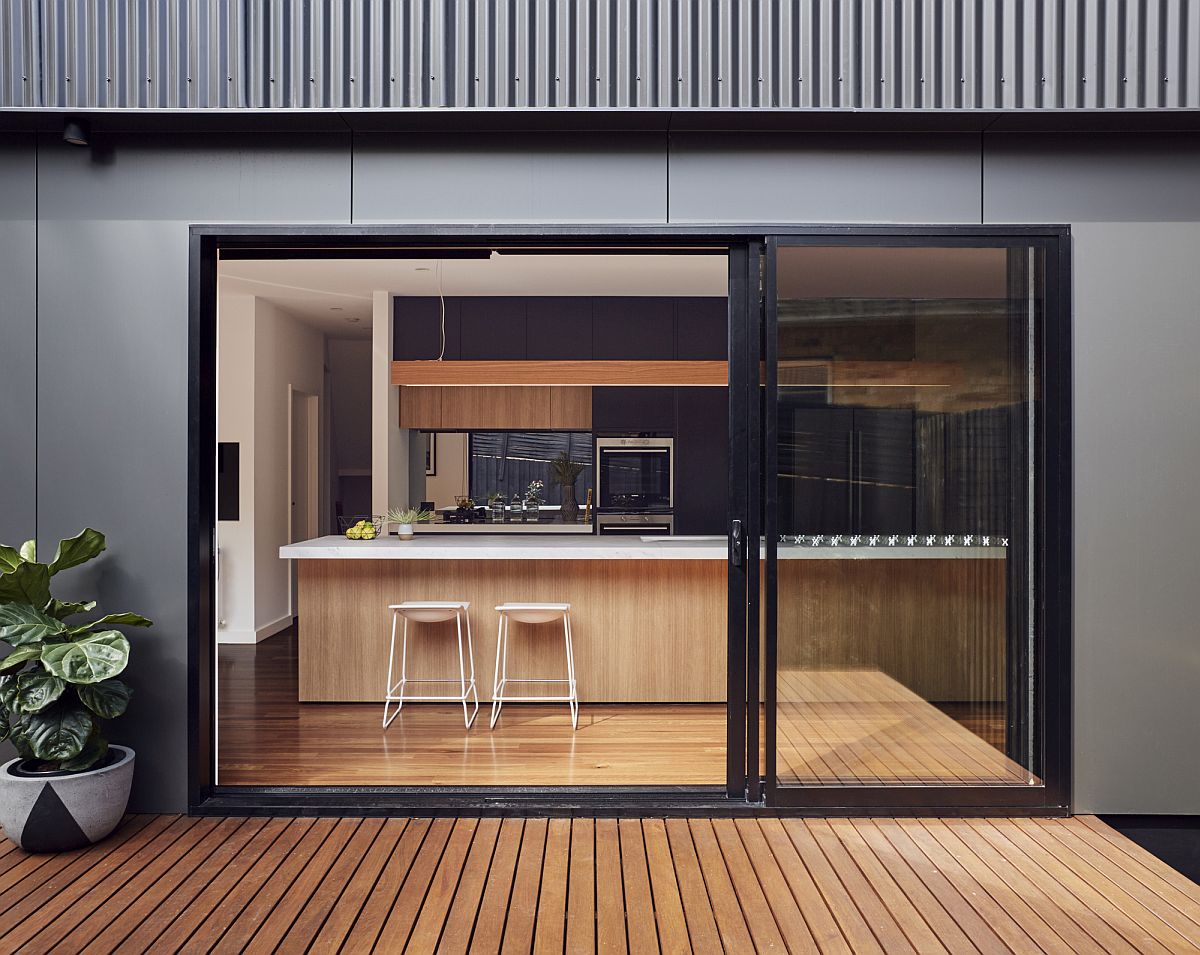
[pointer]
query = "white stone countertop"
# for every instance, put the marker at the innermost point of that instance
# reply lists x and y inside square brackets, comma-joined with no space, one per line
[581,547]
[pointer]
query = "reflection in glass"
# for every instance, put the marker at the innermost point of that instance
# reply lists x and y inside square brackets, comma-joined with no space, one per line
[905,417]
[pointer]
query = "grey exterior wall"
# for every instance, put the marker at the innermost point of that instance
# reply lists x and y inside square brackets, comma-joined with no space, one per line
[111,354]
[18,337]
[112,359]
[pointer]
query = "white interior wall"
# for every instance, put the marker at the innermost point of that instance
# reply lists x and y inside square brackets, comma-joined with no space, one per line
[451,465]
[235,422]
[289,356]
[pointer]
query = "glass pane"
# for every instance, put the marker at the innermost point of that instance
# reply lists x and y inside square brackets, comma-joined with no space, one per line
[507,462]
[905,481]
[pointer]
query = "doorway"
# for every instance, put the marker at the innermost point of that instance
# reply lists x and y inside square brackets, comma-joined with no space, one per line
[773,408]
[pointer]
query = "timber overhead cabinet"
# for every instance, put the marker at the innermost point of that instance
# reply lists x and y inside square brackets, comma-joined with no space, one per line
[749,407]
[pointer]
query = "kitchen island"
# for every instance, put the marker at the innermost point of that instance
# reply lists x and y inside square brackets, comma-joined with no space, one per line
[648,614]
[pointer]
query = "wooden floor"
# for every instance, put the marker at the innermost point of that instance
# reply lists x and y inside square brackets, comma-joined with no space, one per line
[167,884]
[266,738]
[848,727]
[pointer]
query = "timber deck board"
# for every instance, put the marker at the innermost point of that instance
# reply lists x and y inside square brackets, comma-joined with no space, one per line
[169,883]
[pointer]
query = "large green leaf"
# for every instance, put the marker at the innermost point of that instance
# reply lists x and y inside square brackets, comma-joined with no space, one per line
[89,659]
[21,624]
[10,560]
[8,692]
[19,657]
[107,700]
[36,690]
[85,545]
[58,732]
[29,551]
[28,583]
[60,609]
[128,619]
[5,726]
[93,751]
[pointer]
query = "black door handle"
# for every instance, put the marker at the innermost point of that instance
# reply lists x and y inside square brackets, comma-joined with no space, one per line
[735,543]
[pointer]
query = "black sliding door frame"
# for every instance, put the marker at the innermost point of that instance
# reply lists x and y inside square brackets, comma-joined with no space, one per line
[751,423]
[1050,756]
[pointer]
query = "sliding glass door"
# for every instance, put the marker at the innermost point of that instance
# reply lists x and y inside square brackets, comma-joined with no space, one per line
[902,468]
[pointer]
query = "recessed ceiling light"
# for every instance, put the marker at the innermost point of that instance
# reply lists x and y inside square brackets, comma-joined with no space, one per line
[353,319]
[421,268]
[335,308]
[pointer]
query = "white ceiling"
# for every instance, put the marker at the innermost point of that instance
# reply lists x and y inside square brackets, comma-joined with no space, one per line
[327,293]
[334,295]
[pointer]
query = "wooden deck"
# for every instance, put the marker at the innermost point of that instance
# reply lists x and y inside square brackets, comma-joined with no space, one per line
[169,883]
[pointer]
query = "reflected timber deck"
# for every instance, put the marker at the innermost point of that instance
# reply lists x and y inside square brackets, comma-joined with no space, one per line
[861,727]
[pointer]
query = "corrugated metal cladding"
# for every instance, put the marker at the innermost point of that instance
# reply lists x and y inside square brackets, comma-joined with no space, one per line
[610,54]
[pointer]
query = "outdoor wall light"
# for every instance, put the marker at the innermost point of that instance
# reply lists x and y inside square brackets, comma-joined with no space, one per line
[76,132]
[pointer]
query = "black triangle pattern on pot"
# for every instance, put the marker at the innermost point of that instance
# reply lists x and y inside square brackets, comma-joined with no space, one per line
[50,826]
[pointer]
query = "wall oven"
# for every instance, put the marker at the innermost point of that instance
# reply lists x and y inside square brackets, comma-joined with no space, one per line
[635,485]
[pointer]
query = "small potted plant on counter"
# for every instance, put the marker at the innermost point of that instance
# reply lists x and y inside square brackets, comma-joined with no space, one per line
[405,518]
[564,472]
[67,787]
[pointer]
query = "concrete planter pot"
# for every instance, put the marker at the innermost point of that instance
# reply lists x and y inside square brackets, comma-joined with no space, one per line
[58,812]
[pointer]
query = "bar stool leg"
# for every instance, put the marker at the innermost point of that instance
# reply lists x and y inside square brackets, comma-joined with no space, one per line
[471,659]
[462,675]
[497,682]
[573,699]
[387,695]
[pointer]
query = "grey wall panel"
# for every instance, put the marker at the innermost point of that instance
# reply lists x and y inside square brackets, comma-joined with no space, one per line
[18,344]
[853,177]
[18,337]
[534,177]
[1092,178]
[1137,454]
[1137,448]
[113,367]
[658,54]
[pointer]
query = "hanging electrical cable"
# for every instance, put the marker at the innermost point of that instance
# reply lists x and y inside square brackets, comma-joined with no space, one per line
[442,301]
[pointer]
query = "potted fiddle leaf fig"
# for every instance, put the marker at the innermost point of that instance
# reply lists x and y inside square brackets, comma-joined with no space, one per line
[67,787]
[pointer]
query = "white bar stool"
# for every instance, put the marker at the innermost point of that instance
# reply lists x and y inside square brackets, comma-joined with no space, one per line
[532,613]
[430,611]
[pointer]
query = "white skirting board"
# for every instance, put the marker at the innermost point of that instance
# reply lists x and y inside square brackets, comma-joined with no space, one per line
[255,636]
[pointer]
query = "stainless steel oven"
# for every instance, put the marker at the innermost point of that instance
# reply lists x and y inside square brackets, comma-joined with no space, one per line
[635,484]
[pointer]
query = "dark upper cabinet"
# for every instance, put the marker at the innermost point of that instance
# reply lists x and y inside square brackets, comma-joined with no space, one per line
[701,460]
[633,410]
[492,328]
[845,470]
[815,467]
[417,328]
[701,329]
[558,328]
[883,470]
[633,329]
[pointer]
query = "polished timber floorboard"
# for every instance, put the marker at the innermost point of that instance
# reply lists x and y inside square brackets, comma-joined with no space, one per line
[485,885]
[836,727]
[266,738]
